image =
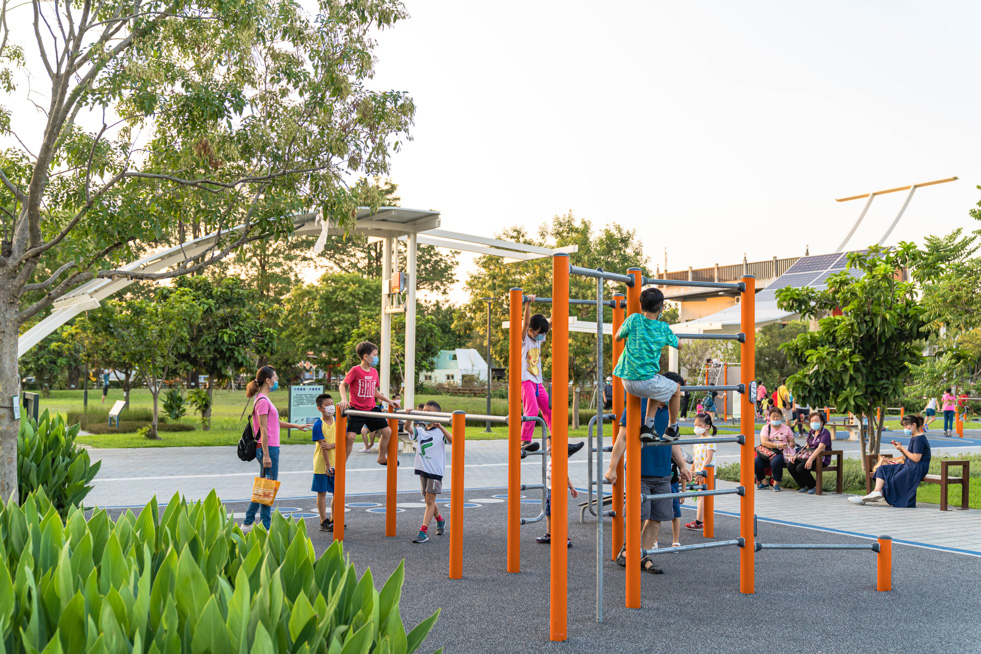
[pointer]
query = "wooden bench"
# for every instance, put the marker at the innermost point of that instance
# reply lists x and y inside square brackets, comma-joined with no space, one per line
[944,479]
[837,458]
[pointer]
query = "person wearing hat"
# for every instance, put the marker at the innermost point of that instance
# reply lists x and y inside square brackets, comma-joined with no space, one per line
[608,394]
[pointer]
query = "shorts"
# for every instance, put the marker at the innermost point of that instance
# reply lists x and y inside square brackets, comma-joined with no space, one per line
[105,390]
[355,423]
[930,412]
[659,388]
[659,510]
[323,483]
[431,486]
[676,503]
[548,503]
[788,415]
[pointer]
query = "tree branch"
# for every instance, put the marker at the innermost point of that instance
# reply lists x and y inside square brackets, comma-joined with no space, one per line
[205,183]
[19,194]
[51,280]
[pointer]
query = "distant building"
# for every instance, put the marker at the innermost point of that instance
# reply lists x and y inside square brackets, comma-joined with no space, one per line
[451,366]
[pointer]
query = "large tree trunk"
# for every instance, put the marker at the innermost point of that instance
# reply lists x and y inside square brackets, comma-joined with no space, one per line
[9,387]
[152,434]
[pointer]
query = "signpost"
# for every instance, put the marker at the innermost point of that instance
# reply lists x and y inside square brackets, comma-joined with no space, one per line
[303,405]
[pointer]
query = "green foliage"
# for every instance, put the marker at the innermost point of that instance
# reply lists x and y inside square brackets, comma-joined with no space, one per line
[186,580]
[173,403]
[50,361]
[860,360]
[772,363]
[201,402]
[48,460]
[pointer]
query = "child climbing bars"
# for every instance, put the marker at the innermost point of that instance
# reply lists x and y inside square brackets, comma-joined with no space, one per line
[430,465]
[639,365]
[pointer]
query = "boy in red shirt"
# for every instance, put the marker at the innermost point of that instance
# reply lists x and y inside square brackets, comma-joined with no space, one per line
[361,386]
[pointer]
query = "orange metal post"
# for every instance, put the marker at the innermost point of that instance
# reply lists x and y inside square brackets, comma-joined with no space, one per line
[514,433]
[392,474]
[958,422]
[617,504]
[632,473]
[747,426]
[458,459]
[708,522]
[340,474]
[560,445]
[884,565]
[902,412]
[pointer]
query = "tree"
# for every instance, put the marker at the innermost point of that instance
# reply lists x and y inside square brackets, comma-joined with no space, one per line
[858,361]
[50,362]
[102,343]
[162,328]
[229,333]
[164,119]
[772,363]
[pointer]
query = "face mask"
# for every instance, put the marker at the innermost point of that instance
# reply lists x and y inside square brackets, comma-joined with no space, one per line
[329,410]
[815,426]
[540,338]
[776,423]
[908,431]
[374,360]
[275,386]
[700,430]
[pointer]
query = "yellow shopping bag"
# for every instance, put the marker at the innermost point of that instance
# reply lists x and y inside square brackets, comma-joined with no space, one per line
[264,491]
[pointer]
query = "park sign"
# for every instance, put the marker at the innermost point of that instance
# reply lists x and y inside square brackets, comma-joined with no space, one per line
[303,405]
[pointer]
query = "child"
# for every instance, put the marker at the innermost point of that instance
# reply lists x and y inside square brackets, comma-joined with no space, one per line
[704,455]
[534,397]
[639,365]
[547,537]
[430,463]
[323,459]
[361,383]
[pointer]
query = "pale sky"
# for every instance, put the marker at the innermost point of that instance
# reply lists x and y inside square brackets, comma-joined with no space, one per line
[713,128]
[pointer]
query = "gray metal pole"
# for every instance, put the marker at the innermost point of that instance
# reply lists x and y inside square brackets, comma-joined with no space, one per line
[599,450]
[85,386]
[487,429]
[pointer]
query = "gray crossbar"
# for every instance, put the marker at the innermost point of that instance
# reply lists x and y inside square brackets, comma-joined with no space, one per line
[738,542]
[601,274]
[706,493]
[429,416]
[695,441]
[713,337]
[740,388]
[736,286]
[592,303]
[474,417]
[874,547]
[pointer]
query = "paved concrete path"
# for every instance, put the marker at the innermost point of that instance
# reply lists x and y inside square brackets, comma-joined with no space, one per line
[130,477]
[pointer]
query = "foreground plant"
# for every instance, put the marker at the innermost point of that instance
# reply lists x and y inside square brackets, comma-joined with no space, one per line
[48,459]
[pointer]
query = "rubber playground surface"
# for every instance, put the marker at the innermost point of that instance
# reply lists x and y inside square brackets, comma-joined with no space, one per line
[824,601]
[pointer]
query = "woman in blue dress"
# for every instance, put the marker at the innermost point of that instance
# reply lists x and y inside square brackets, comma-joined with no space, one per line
[896,484]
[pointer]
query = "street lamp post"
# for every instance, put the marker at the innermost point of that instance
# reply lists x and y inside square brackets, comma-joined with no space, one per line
[488,300]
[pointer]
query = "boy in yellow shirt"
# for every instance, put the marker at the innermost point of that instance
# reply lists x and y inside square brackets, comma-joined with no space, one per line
[323,459]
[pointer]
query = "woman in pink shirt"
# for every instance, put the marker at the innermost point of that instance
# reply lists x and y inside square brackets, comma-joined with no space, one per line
[777,437]
[949,402]
[266,423]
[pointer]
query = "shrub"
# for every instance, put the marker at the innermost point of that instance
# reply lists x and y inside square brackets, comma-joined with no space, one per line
[49,459]
[100,415]
[186,581]
[201,403]
[133,426]
[173,404]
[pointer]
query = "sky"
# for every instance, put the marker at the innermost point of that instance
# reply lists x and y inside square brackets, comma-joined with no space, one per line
[713,128]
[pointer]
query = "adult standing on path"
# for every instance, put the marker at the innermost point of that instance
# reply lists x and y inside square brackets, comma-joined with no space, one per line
[265,422]
[785,403]
[897,483]
[949,402]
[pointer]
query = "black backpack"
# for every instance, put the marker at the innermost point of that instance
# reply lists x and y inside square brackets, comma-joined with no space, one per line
[247,444]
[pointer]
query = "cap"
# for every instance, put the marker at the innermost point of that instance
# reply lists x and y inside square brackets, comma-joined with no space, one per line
[609,379]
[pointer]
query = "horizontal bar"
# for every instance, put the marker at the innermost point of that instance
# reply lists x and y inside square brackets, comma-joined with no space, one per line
[600,274]
[736,286]
[739,388]
[430,416]
[415,413]
[529,521]
[695,441]
[874,547]
[738,542]
[532,486]
[713,337]
[705,493]
[548,300]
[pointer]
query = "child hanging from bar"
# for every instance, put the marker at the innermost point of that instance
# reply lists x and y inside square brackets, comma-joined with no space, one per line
[640,364]
[534,397]
[431,439]
[547,537]
[704,456]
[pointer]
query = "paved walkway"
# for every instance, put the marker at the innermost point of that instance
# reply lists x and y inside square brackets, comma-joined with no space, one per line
[130,477]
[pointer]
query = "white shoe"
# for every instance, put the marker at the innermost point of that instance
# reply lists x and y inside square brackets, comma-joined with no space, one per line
[874,496]
[676,545]
[246,529]
[364,450]
[855,499]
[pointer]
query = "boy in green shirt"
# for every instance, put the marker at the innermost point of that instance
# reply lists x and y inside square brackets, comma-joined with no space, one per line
[640,364]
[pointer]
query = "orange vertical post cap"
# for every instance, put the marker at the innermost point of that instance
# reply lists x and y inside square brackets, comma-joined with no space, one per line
[884,565]
[457,456]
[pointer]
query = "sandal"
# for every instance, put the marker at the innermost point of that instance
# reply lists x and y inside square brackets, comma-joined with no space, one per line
[622,557]
[652,569]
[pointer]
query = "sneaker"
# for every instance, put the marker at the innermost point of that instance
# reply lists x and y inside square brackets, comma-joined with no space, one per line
[421,537]
[802,490]
[776,488]
[855,499]
[647,435]
[569,542]
[671,433]
[575,447]
[326,525]
[440,527]
[246,528]
[762,485]
[544,539]
[812,491]
[694,524]
[874,496]
[530,446]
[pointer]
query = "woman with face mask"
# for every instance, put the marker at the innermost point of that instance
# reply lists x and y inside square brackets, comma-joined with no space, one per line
[897,483]
[818,440]
[779,439]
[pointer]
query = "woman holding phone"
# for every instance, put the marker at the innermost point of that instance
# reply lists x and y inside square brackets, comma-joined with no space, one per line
[897,483]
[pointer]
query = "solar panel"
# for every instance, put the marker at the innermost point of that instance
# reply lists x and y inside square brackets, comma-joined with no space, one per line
[822,280]
[816,263]
[797,281]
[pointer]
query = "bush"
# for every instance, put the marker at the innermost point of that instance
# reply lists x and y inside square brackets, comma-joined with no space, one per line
[201,403]
[100,415]
[48,459]
[173,404]
[186,581]
[133,426]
